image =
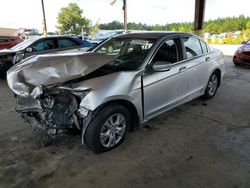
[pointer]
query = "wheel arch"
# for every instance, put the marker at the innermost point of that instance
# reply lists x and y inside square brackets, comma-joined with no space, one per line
[135,119]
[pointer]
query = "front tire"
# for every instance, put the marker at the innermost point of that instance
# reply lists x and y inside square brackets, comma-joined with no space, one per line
[212,86]
[108,128]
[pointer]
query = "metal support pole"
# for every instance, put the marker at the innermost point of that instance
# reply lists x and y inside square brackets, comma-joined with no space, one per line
[125,15]
[44,21]
[199,17]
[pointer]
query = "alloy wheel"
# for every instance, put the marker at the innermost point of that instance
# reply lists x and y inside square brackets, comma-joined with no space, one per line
[212,84]
[113,130]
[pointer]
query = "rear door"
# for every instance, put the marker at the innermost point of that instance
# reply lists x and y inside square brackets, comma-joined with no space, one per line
[197,65]
[184,81]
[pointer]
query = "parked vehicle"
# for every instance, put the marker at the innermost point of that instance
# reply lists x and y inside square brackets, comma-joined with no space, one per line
[85,41]
[123,82]
[35,46]
[106,34]
[8,41]
[242,54]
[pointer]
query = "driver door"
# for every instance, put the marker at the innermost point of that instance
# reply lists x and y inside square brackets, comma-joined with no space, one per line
[41,47]
[163,89]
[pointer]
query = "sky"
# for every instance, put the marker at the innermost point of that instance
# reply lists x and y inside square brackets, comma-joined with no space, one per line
[28,13]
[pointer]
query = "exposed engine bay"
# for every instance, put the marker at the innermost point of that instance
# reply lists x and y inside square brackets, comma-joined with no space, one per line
[54,114]
[57,111]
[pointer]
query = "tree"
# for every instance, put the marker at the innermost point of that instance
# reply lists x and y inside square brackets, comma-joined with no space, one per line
[182,29]
[112,25]
[71,21]
[248,25]
[34,32]
[95,28]
[247,30]
[219,25]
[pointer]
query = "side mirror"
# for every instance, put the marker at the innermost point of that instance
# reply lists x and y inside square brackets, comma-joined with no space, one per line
[29,50]
[161,66]
[244,42]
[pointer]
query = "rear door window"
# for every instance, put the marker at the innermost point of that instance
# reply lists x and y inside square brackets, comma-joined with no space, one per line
[192,46]
[65,43]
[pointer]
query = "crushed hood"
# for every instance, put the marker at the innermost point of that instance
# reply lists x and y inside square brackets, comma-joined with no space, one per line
[27,77]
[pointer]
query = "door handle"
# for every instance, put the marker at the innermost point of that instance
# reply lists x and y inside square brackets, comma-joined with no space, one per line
[182,68]
[207,59]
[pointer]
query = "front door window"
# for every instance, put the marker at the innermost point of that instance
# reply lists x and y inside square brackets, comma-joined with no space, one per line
[43,45]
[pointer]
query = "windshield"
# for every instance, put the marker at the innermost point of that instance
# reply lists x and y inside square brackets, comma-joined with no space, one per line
[23,44]
[129,53]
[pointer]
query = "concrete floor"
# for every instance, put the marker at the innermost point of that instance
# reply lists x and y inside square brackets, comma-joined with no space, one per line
[201,144]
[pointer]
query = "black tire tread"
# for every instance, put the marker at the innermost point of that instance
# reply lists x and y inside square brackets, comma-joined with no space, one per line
[92,133]
[206,94]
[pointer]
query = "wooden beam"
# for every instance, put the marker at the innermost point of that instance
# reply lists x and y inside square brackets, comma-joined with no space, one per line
[125,15]
[44,20]
[199,16]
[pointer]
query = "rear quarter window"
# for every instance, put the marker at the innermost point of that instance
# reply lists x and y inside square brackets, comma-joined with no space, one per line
[204,47]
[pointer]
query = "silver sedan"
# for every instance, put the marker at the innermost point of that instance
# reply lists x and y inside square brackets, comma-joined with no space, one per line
[111,89]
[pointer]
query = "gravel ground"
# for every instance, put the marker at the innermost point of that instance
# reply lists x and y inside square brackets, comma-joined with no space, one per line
[201,144]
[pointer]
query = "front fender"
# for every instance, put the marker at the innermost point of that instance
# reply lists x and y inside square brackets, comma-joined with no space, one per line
[93,101]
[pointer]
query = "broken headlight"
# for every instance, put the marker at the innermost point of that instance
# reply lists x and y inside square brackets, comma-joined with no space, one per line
[83,112]
[80,94]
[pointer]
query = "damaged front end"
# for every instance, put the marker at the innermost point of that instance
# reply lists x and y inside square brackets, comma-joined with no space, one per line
[41,98]
[55,113]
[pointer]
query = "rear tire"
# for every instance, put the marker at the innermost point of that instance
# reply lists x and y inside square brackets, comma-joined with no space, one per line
[107,129]
[212,86]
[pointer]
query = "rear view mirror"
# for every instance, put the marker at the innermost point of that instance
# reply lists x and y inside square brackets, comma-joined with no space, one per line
[161,66]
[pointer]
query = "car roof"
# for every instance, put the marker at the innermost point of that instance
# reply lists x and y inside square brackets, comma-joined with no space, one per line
[151,35]
[58,36]
[34,39]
